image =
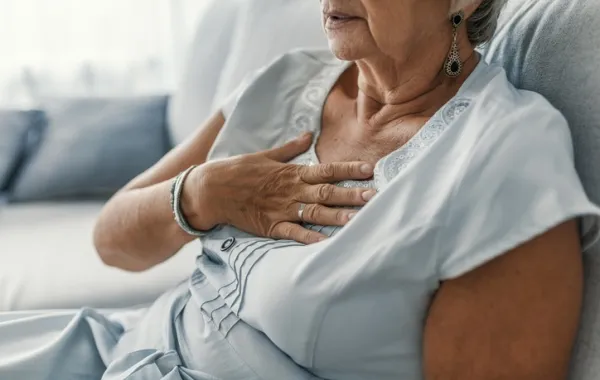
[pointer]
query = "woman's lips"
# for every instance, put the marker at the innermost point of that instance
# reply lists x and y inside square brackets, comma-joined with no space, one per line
[336,20]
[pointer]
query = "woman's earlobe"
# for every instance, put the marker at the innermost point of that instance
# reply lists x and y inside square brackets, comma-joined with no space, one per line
[468,7]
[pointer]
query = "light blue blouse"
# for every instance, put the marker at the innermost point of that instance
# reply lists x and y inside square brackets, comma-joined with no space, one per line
[491,169]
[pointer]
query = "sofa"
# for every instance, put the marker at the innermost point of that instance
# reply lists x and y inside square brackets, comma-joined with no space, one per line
[548,46]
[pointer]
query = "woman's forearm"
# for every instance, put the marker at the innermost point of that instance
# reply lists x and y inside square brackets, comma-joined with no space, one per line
[136,230]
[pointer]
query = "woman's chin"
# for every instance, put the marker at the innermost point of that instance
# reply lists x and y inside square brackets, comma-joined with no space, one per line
[348,44]
[344,50]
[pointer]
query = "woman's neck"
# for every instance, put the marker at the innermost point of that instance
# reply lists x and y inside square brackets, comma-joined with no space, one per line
[387,91]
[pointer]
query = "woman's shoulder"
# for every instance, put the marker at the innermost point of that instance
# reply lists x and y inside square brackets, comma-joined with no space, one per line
[506,109]
[296,64]
[288,71]
[277,102]
[503,121]
[513,175]
[506,125]
[496,123]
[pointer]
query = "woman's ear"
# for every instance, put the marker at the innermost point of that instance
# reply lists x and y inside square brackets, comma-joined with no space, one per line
[467,6]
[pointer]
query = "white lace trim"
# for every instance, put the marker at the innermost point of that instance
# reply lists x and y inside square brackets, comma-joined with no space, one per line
[389,166]
[306,114]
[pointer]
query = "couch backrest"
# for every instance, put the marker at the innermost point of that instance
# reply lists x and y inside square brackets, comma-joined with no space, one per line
[233,39]
[553,47]
[268,29]
[191,102]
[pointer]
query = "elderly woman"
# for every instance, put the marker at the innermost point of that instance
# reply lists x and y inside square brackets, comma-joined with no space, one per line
[426,224]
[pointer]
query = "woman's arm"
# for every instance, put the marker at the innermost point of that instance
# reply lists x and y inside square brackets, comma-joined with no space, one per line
[136,229]
[258,193]
[514,318]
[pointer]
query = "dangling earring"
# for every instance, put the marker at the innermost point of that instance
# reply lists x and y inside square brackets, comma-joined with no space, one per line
[453,65]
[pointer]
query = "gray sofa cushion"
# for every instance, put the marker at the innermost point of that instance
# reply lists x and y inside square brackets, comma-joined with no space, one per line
[92,147]
[18,130]
[552,47]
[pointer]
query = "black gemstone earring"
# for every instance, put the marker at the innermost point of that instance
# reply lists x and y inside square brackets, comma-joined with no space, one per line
[453,65]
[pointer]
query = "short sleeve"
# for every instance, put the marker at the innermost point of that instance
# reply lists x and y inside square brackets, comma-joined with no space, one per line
[520,181]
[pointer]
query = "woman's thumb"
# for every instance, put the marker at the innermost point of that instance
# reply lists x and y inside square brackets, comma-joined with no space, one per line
[291,149]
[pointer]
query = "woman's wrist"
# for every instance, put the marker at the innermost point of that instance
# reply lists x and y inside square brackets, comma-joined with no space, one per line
[196,213]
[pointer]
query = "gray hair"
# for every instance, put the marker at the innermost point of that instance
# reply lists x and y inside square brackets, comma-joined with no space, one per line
[482,24]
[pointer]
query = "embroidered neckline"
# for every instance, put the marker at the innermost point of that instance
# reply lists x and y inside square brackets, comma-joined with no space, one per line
[388,167]
[307,115]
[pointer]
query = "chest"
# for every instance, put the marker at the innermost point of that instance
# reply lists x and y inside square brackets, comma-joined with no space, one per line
[343,136]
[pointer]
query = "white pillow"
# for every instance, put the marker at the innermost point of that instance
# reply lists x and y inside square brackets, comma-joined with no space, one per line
[266,30]
[191,103]
[235,38]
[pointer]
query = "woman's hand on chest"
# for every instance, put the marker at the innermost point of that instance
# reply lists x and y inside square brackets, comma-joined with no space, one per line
[261,194]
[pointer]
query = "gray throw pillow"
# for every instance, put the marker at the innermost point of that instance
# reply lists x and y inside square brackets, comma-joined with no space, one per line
[92,147]
[18,130]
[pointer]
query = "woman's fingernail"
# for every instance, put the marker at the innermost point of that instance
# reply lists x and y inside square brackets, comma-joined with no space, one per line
[368,195]
[366,169]
[305,136]
[351,215]
[321,239]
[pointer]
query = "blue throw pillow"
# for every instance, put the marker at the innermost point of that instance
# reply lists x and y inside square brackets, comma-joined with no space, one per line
[92,147]
[18,130]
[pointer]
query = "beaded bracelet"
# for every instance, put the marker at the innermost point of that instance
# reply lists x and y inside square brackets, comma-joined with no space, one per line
[176,191]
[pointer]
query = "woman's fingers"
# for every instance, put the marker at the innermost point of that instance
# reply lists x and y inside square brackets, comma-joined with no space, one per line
[290,150]
[332,195]
[336,172]
[326,216]
[293,231]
